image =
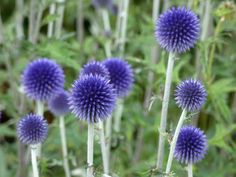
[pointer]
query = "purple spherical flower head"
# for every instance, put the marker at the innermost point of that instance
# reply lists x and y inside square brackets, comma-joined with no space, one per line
[32,129]
[94,68]
[191,145]
[121,75]
[59,104]
[92,98]
[190,95]
[42,79]
[102,3]
[177,29]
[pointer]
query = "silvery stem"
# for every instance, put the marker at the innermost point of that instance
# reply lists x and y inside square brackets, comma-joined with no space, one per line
[107,29]
[103,149]
[117,115]
[52,11]
[60,12]
[34,160]
[90,150]
[39,111]
[190,170]
[19,19]
[64,146]
[165,103]
[108,137]
[174,140]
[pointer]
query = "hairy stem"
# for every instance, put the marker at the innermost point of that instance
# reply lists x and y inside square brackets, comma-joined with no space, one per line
[79,21]
[34,161]
[103,149]
[173,142]
[19,19]
[32,18]
[39,111]
[52,11]
[60,12]
[117,115]
[165,103]
[190,170]
[64,146]
[90,150]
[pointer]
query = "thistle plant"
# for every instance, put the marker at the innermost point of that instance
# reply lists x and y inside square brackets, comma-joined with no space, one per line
[59,106]
[190,96]
[176,30]
[93,99]
[32,130]
[191,147]
[42,79]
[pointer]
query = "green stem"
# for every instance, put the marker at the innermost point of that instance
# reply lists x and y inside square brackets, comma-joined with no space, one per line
[34,161]
[165,103]
[173,142]
[117,115]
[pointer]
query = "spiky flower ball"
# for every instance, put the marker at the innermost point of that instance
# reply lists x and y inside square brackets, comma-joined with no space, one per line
[59,104]
[190,95]
[92,98]
[42,79]
[177,29]
[191,145]
[121,75]
[32,129]
[94,68]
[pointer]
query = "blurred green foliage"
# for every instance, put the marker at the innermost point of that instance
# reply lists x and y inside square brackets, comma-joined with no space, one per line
[217,118]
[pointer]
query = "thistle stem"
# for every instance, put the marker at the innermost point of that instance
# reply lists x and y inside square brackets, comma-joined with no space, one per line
[50,24]
[19,19]
[39,111]
[190,170]
[34,160]
[60,12]
[165,103]
[108,137]
[107,29]
[79,21]
[173,142]
[90,150]
[103,149]
[64,146]
[117,115]
[32,19]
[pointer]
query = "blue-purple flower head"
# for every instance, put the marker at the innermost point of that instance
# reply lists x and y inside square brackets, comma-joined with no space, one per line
[32,129]
[191,145]
[94,68]
[102,3]
[121,75]
[177,29]
[190,95]
[92,98]
[42,79]
[58,104]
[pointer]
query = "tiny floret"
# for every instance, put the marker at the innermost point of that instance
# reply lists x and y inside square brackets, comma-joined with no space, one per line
[177,29]
[121,75]
[42,79]
[190,95]
[58,104]
[94,68]
[191,145]
[92,98]
[32,129]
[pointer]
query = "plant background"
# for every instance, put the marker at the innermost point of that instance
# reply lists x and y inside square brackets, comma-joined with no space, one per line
[134,154]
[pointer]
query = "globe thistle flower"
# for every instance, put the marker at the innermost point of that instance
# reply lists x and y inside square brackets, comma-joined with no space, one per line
[177,29]
[59,104]
[42,79]
[121,75]
[94,68]
[32,129]
[102,3]
[191,145]
[190,95]
[92,98]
